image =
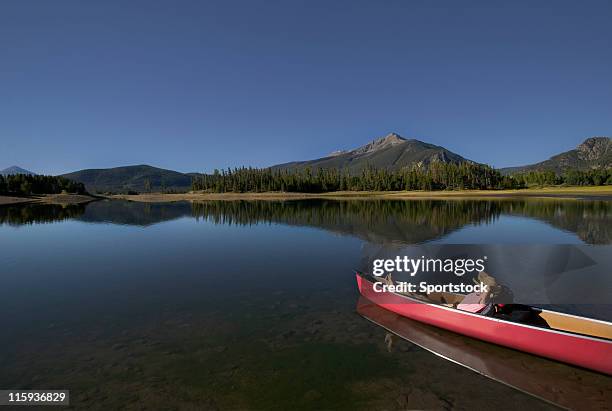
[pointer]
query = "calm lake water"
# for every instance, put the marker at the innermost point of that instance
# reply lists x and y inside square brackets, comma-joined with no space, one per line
[223,305]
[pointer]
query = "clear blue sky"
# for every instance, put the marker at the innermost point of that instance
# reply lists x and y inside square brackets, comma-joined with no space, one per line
[195,85]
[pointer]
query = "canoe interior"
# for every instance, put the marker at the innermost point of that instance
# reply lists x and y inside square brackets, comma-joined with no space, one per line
[577,325]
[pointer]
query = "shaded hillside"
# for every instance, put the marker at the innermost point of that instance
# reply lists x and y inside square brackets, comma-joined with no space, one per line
[141,178]
[593,153]
[391,152]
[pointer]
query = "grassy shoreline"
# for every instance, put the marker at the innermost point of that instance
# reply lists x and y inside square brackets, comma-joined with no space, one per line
[604,192]
[61,199]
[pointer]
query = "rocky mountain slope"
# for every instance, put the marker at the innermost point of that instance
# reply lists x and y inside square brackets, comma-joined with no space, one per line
[392,152]
[594,152]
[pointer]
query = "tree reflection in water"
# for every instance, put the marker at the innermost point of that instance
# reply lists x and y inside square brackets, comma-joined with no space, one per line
[376,221]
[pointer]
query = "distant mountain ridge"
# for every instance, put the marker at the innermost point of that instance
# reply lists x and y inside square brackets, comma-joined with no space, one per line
[592,153]
[15,170]
[392,152]
[140,178]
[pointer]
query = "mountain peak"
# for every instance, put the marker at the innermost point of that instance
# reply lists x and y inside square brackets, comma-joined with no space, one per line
[594,141]
[15,170]
[390,152]
[594,147]
[391,139]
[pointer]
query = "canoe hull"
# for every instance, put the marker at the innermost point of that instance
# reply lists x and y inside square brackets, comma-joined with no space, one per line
[583,351]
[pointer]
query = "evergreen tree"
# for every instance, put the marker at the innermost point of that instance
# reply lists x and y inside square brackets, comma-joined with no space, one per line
[23,184]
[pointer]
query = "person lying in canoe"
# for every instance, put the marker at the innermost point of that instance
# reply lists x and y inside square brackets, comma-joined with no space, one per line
[477,302]
[487,303]
[482,303]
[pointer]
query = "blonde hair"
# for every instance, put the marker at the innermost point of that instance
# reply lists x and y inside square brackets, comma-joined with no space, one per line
[486,279]
[494,287]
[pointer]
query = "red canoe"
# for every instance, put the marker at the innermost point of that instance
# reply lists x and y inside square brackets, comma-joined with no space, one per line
[568,338]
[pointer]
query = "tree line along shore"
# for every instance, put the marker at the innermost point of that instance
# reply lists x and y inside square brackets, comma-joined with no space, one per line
[435,180]
[434,177]
[26,188]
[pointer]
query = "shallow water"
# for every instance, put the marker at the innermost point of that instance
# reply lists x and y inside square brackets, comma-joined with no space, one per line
[241,304]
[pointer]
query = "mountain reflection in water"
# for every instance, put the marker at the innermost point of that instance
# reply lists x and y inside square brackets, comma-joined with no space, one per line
[375,221]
